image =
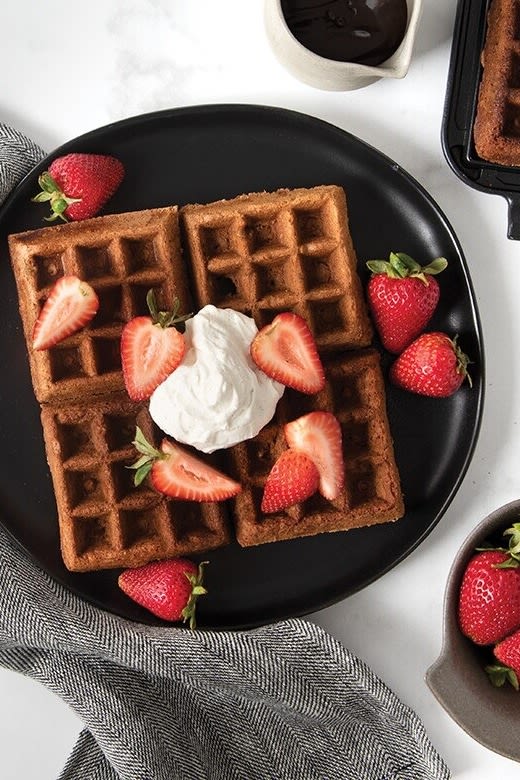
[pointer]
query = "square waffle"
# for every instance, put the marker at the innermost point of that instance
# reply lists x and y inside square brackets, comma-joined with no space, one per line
[105,521]
[265,253]
[122,256]
[497,125]
[355,394]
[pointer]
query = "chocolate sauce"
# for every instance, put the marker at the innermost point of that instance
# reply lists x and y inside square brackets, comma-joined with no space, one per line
[363,31]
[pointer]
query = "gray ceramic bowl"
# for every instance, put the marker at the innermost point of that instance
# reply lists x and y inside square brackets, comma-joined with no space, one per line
[331,74]
[457,678]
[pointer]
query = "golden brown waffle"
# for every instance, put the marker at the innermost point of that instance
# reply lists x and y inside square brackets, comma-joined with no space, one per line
[105,521]
[122,256]
[497,124]
[265,253]
[355,394]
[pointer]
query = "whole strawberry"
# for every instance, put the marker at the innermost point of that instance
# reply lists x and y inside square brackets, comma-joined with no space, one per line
[77,186]
[489,596]
[168,589]
[508,653]
[432,365]
[402,296]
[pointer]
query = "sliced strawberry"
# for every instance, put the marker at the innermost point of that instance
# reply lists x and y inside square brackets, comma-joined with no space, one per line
[70,306]
[293,478]
[285,350]
[176,473]
[151,349]
[318,435]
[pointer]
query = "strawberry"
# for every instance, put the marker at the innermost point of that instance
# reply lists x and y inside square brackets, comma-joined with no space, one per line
[178,474]
[432,365]
[293,478]
[77,186]
[318,435]
[71,304]
[402,296]
[508,653]
[285,350]
[151,349]
[168,589]
[489,596]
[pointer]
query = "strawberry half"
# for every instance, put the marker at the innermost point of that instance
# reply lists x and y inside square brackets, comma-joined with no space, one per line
[178,474]
[151,349]
[77,185]
[293,478]
[71,304]
[285,350]
[318,435]
[168,589]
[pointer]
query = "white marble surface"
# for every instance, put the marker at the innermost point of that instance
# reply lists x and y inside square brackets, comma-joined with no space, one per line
[69,68]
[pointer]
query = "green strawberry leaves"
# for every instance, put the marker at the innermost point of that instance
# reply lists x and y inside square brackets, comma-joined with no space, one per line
[197,589]
[400,266]
[165,318]
[149,454]
[499,675]
[513,550]
[50,191]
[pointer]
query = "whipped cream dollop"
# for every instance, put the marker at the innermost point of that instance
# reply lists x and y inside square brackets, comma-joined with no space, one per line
[217,396]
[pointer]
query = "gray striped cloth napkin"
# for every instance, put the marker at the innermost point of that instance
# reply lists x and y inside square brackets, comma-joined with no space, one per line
[283,702]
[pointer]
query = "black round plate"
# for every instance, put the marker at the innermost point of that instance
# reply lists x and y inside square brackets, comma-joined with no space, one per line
[200,154]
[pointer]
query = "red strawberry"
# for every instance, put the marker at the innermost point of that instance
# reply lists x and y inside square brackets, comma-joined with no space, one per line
[285,351]
[508,653]
[176,473]
[77,186]
[293,478]
[489,597]
[432,365]
[318,435]
[151,349]
[71,304]
[402,296]
[169,589]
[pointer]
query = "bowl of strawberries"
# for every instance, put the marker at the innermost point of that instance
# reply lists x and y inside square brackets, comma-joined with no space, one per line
[476,677]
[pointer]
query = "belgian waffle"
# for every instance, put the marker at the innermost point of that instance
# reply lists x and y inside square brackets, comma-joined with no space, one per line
[497,124]
[122,256]
[105,521]
[355,393]
[261,254]
[264,253]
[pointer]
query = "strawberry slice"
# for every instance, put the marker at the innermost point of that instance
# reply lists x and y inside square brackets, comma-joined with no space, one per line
[178,474]
[70,306]
[318,435]
[285,350]
[151,349]
[293,478]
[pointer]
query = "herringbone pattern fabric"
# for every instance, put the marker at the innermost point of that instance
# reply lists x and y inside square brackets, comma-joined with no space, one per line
[18,154]
[284,702]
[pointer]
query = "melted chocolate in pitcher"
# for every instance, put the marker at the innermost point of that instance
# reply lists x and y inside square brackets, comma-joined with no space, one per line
[363,31]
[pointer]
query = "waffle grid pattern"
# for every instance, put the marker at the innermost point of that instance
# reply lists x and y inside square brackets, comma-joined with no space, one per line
[497,122]
[122,257]
[355,394]
[267,253]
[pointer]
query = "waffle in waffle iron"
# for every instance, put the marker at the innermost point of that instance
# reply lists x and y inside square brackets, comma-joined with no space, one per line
[260,254]
[497,124]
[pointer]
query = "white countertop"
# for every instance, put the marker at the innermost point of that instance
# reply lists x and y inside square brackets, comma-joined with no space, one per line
[70,68]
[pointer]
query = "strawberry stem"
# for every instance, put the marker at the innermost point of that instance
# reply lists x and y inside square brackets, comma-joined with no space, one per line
[165,319]
[149,454]
[197,589]
[499,675]
[52,193]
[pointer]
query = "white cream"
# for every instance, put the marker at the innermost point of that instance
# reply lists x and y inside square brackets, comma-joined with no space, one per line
[217,396]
